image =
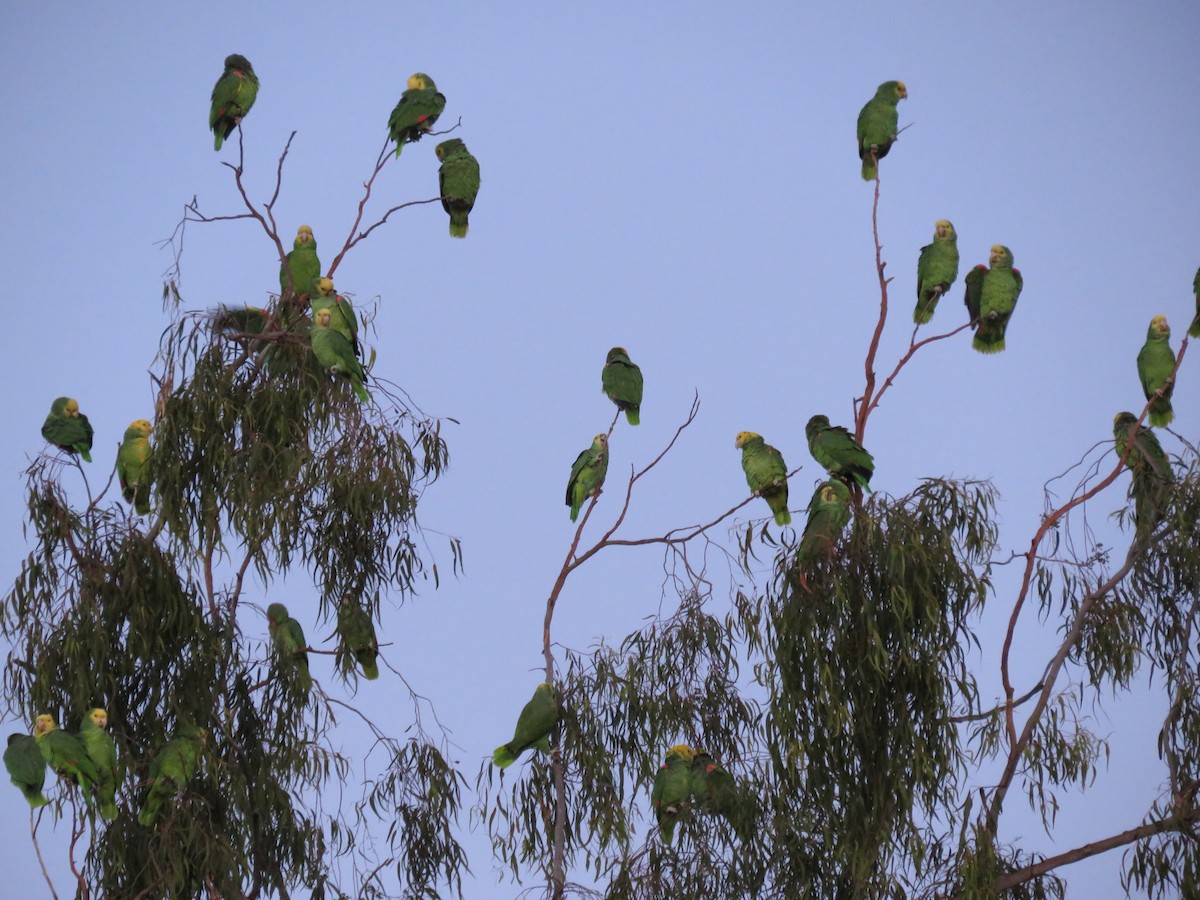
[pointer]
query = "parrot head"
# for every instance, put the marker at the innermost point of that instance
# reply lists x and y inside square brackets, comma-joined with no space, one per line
[1159,329]
[743,436]
[304,234]
[617,353]
[815,424]
[325,287]
[71,407]
[829,494]
[944,231]
[277,612]
[138,428]
[683,751]
[445,147]
[43,725]
[99,718]
[600,440]
[323,318]
[419,81]
[1122,421]
[239,62]
[894,91]
[1000,256]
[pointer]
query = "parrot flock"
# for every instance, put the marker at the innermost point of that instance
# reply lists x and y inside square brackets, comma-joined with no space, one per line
[692,779]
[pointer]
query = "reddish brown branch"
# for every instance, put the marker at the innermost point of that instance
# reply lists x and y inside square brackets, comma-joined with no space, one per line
[913,347]
[863,406]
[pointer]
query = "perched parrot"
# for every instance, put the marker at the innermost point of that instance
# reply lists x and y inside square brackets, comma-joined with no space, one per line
[672,788]
[241,320]
[232,97]
[357,632]
[132,459]
[342,318]
[1155,364]
[587,474]
[537,720]
[173,767]
[66,754]
[621,380]
[26,767]
[1194,330]
[713,788]
[837,450]
[419,107]
[1152,473]
[877,125]
[103,753]
[458,181]
[336,354]
[991,297]
[303,264]
[766,473]
[937,267]
[290,645]
[68,429]
[828,515]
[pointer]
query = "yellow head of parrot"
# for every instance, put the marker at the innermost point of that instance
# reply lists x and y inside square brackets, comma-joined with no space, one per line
[744,436]
[323,318]
[304,234]
[601,439]
[901,90]
[942,228]
[325,287]
[998,253]
[44,724]
[1159,324]
[418,81]
[72,408]
[142,426]
[99,718]
[682,750]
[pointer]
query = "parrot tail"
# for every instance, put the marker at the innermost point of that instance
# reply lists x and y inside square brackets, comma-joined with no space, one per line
[503,757]
[458,225]
[149,812]
[370,668]
[633,416]
[219,140]
[87,457]
[1194,330]
[361,392]
[1161,414]
[783,517]
[868,169]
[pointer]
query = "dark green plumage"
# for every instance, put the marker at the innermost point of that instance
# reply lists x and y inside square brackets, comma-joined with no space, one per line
[621,380]
[290,646]
[301,269]
[878,123]
[65,754]
[828,515]
[1153,477]
[1155,363]
[1194,330]
[672,789]
[173,767]
[766,473]
[417,110]
[103,753]
[357,634]
[458,182]
[68,429]
[232,96]
[538,718]
[336,354]
[26,767]
[587,474]
[837,450]
[991,298]
[937,267]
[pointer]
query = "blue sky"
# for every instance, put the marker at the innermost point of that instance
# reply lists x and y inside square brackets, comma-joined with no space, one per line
[676,180]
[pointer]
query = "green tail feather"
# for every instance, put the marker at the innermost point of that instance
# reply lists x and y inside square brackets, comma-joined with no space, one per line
[633,416]
[35,797]
[458,225]
[87,457]
[1161,414]
[216,146]
[503,757]
[783,517]
[868,169]
[370,668]
[361,392]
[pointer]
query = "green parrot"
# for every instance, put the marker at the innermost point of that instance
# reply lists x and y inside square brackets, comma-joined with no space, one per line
[837,450]
[290,645]
[241,320]
[828,515]
[587,474]
[937,267]
[66,754]
[672,788]
[1194,330]
[173,767]
[232,97]
[342,317]
[991,297]
[766,473]
[336,354]
[1152,473]
[621,380]
[302,263]
[538,718]
[68,429]
[1155,363]
[877,126]
[418,108]
[103,753]
[26,767]
[357,632]
[458,182]
[132,460]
